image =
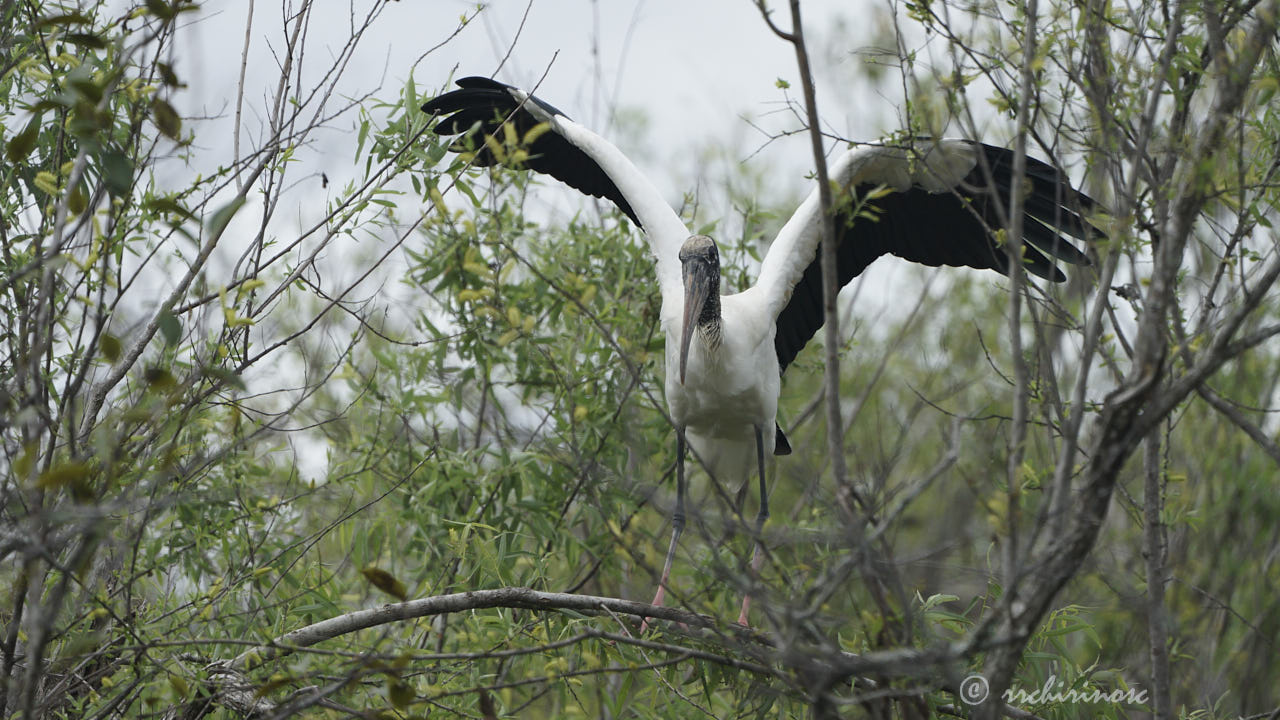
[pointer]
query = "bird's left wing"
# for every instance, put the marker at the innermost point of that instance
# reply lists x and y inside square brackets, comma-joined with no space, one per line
[565,150]
[937,203]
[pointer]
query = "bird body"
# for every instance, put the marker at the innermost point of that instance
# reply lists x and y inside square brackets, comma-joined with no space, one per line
[732,379]
[935,202]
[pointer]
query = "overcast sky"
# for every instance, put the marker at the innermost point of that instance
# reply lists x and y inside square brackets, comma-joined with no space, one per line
[699,72]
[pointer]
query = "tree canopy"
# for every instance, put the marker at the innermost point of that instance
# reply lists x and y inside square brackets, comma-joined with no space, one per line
[396,446]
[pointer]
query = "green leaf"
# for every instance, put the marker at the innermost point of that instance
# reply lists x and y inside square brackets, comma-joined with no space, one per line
[77,201]
[62,475]
[88,40]
[361,135]
[399,692]
[167,75]
[465,189]
[224,215]
[166,119]
[22,466]
[161,9]
[110,347]
[21,145]
[160,378]
[386,582]
[117,172]
[170,328]
[179,685]
[224,376]
[81,80]
[73,18]
[167,205]
[934,600]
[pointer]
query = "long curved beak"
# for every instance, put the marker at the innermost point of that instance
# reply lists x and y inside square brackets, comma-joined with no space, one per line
[698,284]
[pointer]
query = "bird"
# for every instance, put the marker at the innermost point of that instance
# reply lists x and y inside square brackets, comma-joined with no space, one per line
[930,201]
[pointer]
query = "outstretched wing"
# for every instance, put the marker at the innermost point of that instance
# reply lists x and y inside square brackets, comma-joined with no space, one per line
[568,152]
[939,203]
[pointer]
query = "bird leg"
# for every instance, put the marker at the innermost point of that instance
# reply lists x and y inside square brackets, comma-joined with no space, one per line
[677,524]
[756,556]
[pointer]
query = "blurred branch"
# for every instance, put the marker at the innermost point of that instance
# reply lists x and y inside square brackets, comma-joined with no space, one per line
[1232,413]
[1002,665]
[1155,551]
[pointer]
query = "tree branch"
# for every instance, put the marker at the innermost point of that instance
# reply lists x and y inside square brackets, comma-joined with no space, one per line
[1155,550]
[512,597]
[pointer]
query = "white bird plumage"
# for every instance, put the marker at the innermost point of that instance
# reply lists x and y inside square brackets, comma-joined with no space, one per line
[725,354]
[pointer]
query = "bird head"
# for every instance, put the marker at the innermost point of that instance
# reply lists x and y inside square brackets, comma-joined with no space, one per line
[700,262]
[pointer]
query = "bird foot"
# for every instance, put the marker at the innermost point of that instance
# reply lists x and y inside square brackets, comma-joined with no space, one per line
[657,602]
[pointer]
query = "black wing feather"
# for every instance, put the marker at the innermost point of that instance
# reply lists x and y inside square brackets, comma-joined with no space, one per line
[950,228]
[482,106]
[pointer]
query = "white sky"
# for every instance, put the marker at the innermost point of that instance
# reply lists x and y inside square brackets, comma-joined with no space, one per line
[696,71]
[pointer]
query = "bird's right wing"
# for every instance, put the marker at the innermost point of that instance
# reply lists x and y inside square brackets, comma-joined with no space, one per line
[565,150]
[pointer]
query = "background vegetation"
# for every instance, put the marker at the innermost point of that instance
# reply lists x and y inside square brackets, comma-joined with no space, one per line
[220,443]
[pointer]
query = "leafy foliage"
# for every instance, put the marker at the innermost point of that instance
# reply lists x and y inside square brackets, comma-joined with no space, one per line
[225,431]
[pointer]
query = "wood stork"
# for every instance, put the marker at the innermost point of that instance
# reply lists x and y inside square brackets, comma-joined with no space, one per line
[935,203]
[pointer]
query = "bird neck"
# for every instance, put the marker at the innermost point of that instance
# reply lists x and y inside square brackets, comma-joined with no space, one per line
[709,322]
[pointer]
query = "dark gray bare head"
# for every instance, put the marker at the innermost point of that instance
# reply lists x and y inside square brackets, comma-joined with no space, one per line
[700,263]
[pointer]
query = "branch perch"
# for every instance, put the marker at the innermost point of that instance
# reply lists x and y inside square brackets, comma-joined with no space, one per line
[513,597]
